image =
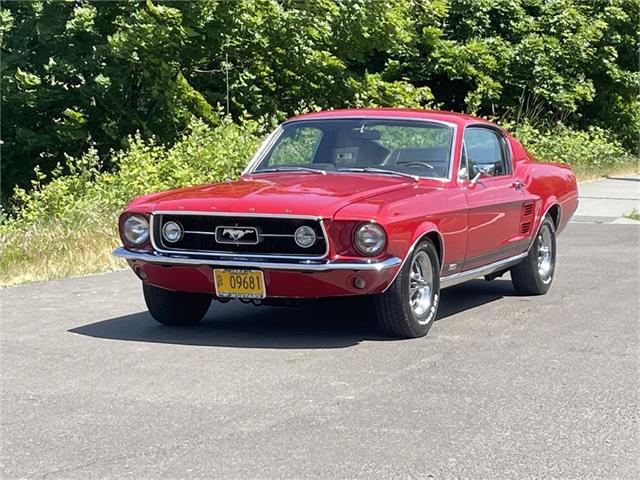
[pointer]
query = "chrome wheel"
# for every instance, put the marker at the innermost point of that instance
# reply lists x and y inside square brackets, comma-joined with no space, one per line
[545,254]
[421,286]
[408,308]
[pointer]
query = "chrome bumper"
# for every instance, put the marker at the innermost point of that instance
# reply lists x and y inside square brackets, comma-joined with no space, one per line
[236,262]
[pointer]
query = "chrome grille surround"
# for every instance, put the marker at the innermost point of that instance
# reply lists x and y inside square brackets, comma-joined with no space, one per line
[157,243]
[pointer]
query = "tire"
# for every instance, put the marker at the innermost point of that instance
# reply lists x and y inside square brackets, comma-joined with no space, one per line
[534,275]
[175,308]
[394,309]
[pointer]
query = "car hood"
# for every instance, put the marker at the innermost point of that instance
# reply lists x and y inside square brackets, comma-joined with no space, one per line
[281,193]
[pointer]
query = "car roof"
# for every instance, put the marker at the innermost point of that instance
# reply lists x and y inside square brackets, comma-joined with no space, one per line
[459,119]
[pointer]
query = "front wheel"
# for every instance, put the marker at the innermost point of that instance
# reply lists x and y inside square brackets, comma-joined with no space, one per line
[175,308]
[407,309]
[533,276]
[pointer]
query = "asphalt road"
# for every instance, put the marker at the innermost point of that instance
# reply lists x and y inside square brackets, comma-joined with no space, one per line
[502,387]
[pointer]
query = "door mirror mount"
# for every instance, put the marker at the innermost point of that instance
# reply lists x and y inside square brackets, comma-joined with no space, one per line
[484,171]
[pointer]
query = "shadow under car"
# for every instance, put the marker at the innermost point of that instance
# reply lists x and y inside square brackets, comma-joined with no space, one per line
[337,323]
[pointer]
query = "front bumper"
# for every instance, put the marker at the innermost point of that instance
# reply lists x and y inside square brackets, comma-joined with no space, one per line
[284,279]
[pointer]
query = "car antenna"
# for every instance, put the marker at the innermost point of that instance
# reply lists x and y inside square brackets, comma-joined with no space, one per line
[228,116]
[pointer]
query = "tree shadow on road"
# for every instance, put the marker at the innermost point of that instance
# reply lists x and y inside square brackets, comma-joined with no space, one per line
[336,324]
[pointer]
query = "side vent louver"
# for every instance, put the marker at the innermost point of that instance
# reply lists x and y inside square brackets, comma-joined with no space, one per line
[525,220]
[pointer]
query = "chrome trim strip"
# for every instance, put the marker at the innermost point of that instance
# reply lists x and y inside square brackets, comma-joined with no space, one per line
[283,235]
[462,277]
[339,116]
[196,232]
[503,134]
[258,157]
[304,266]
[236,214]
[320,221]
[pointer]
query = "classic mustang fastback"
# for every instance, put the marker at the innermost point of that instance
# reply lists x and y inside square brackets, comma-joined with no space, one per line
[389,203]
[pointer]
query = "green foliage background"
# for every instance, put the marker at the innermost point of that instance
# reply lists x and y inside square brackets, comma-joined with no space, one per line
[80,75]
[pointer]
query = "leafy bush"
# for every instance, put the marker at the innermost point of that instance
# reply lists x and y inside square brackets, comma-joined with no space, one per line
[593,152]
[68,226]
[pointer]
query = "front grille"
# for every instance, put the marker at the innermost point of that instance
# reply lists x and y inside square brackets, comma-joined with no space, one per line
[274,235]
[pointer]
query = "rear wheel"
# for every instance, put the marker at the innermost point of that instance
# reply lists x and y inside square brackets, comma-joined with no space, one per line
[175,308]
[533,276]
[407,309]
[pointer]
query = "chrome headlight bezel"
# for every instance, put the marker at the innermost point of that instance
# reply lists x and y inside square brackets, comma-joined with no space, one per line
[176,228]
[305,236]
[135,229]
[370,239]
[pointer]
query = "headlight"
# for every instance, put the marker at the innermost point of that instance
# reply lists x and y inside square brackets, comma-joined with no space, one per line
[305,236]
[172,232]
[135,229]
[370,239]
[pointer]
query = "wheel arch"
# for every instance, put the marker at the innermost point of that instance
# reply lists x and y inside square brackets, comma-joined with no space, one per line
[426,232]
[436,238]
[553,209]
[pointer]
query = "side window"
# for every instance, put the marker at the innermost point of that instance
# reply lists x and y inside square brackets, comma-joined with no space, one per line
[297,147]
[485,151]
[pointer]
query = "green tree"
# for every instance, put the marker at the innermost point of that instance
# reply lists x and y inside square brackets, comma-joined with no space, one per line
[87,74]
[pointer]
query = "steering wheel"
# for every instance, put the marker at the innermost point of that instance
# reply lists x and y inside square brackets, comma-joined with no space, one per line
[416,164]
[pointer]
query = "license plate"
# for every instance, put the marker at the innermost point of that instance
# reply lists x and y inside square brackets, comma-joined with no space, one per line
[239,283]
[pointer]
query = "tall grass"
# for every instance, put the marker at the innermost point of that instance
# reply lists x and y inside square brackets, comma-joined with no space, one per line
[67,225]
[53,249]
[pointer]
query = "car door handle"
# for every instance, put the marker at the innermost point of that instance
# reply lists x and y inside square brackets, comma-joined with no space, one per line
[518,184]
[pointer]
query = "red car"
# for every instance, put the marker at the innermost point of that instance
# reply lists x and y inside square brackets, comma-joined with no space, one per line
[390,203]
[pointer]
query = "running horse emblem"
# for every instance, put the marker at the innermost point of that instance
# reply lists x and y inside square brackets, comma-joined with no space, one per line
[235,234]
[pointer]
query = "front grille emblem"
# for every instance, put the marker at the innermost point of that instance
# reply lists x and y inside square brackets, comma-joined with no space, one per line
[235,234]
[244,235]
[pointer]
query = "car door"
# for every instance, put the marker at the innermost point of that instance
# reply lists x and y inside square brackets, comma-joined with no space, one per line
[495,198]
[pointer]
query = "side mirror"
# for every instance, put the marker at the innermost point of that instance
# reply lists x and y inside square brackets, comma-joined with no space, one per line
[484,171]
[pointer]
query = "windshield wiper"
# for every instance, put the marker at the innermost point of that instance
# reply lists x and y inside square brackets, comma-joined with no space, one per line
[379,170]
[290,169]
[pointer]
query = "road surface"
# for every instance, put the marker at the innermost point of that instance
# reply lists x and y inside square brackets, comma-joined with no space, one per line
[502,387]
[607,200]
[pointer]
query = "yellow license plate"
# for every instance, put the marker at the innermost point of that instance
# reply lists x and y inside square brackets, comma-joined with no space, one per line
[239,283]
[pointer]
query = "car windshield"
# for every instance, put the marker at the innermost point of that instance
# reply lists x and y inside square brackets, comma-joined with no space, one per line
[376,146]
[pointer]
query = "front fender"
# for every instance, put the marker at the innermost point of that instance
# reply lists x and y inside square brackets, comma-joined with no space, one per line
[426,230]
[547,203]
[402,246]
[431,231]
